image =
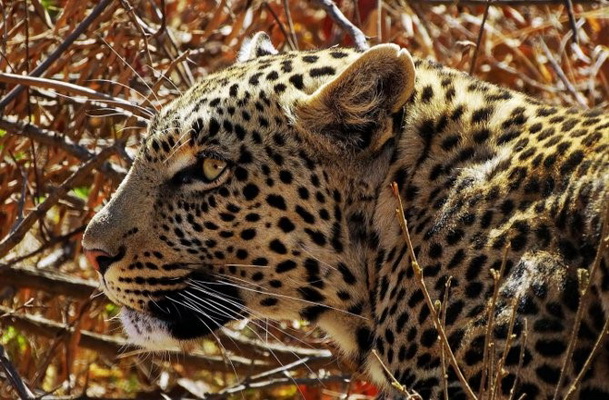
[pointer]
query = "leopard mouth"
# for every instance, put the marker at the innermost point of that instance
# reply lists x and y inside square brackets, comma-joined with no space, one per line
[190,313]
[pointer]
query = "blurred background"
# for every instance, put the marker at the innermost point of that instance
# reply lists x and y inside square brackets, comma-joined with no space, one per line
[80,79]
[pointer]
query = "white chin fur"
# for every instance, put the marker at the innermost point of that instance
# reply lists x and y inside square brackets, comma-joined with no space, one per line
[147,331]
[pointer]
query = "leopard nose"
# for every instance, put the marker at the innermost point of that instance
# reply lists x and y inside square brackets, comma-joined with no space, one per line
[100,260]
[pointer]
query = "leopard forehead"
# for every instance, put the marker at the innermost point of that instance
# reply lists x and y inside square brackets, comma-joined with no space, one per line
[257,92]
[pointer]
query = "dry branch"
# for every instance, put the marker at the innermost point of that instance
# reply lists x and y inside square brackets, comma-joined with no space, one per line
[112,346]
[50,138]
[47,280]
[76,89]
[17,234]
[336,14]
[13,376]
[42,67]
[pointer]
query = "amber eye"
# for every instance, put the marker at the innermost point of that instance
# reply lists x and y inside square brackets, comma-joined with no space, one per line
[213,168]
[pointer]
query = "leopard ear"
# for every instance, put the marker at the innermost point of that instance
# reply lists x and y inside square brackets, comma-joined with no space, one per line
[259,45]
[353,111]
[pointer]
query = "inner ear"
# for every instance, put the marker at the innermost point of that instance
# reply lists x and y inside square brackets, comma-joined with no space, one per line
[259,45]
[353,110]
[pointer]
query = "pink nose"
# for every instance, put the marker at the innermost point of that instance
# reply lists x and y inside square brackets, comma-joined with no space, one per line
[99,259]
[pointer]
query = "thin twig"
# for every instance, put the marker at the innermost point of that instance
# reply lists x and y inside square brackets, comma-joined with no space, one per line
[430,304]
[499,374]
[584,283]
[394,382]
[336,14]
[488,344]
[523,345]
[286,8]
[561,75]
[572,22]
[442,355]
[13,377]
[76,89]
[42,67]
[279,23]
[229,394]
[599,341]
[83,171]
[50,138]
[472,66]
[113,346]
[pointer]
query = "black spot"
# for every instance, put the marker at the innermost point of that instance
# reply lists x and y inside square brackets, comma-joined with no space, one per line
[429,337]
[285,266]
[312,313]
[310,59]
[250,191]
[273,75]
[286,176]
[285,224]
[315,72]
[364,339]
[548,374]
[297,81]
[311,294]
[278,247]
[268,302]
[482,115]
[318,237]
[348,277]
[276,201]
[435,250]
[481,135]
[475,266]
[427,94]
[338,54]
[305,215]
[248,234]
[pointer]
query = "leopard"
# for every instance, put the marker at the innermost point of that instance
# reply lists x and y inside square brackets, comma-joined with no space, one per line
[446,233]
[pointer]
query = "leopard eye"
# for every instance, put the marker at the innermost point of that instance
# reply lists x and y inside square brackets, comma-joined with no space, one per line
[213,168]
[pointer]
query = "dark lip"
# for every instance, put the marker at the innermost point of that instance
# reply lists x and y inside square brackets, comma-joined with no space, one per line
[212,311]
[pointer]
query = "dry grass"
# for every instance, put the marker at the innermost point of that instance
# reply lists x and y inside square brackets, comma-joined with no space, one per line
[67,139]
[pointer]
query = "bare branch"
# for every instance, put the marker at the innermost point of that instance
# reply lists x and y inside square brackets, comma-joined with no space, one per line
[12,239]
[50,138]
[76,89]
[42,67]
[13,376]
[336,14]
[113,346]
[418,272]
[47,280]
[472,66]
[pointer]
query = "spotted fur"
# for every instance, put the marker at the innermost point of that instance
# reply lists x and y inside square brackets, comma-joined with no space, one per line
[302,222]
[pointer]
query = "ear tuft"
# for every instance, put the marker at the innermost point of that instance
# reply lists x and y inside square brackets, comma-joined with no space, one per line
[259,45]
[353,110]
